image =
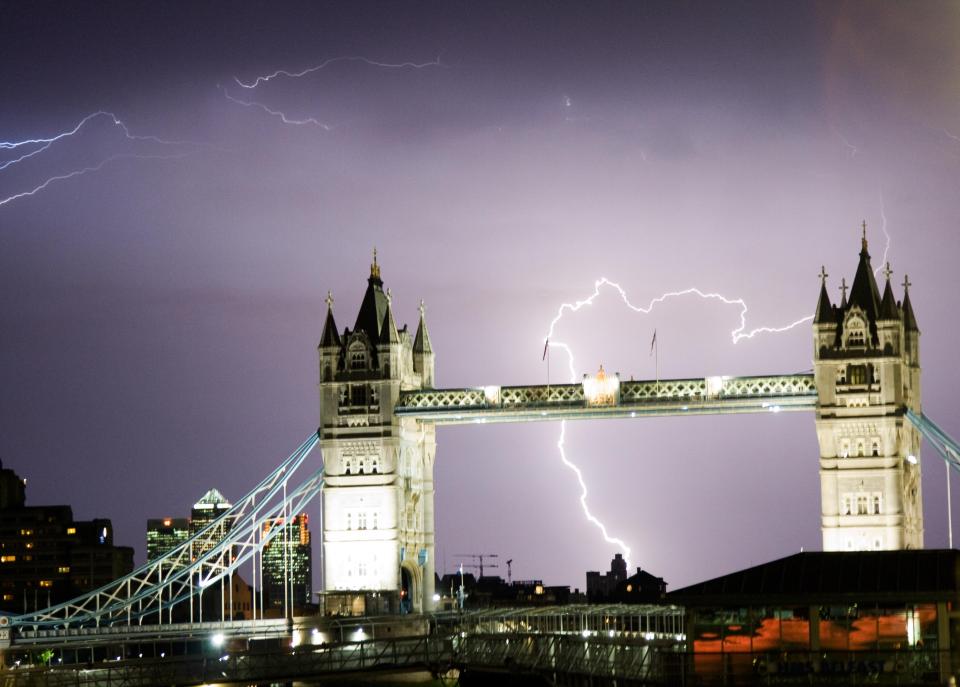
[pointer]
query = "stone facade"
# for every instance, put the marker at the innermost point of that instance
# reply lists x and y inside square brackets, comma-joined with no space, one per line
[867,371]
[378,519]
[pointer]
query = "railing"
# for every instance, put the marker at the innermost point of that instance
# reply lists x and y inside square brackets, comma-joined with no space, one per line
[632,398]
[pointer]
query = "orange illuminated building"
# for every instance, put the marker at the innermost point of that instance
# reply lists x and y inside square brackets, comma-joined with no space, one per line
[885,616]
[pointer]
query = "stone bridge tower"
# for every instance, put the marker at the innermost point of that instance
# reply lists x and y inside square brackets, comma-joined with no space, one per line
[867,370]
[378,530]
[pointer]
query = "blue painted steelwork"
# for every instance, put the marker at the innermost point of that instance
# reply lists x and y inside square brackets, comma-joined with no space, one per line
[196,564]
[946,446]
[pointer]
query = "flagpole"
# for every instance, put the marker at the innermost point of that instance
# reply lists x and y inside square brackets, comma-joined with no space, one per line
[657,354]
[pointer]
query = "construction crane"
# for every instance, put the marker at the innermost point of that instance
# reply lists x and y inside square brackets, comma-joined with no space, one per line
[479,565]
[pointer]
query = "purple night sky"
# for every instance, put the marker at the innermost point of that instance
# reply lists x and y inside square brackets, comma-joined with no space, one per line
[159,313]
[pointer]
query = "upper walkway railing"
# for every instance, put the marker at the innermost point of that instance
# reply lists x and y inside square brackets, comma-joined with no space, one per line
[608,396]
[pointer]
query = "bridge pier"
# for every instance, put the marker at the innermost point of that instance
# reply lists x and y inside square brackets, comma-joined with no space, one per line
[378,524]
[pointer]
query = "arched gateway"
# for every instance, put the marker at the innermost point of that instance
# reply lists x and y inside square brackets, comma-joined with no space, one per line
[379,410]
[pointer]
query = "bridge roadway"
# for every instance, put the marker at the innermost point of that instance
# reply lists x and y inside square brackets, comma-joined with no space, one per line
[584,642]
[610,398]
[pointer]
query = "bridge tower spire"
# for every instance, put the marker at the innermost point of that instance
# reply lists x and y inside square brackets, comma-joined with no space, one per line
[378,531]
[867,372]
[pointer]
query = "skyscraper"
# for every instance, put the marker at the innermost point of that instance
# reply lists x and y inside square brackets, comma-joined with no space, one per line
[211,506]
[288,552]
[164,534]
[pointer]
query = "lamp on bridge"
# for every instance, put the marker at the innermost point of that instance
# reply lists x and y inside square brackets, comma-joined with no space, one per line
[601,389]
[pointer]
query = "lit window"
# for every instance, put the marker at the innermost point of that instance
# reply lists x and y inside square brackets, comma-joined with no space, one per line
[8,559]
[8,597]
[63,569]
[29,544]
[46,583]
[71,530]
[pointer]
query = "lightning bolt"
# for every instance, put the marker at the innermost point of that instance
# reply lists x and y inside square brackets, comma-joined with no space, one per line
[45,144]
[93,168]
[275,113]
[736,335]
[333,60]
[843,139]
[883,227]
[953,136]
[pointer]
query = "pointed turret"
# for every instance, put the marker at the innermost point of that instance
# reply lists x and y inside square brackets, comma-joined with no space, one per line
[888,306]
[330,338]
[421,343]
[374,305]
[423,351]
[909,319]
[824,314]
[388,327]
[864,292]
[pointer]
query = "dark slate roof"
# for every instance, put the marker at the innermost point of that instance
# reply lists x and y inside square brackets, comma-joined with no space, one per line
[330,336]
[372,309]
[888,306]
[421,343]
[822,577]
[864,291]
[909,319]
[388,328]
[825,314]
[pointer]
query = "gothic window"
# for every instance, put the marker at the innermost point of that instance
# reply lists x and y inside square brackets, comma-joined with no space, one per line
[861,450]
[375,464]
[327,373]
[845,448]
[361,521]
[376,520]
[358,358]
[877,496]
[857,374]
[362,569]
[347,466]
[349,521]
[841,374]
[862,504]
[875,448]
[856,331]
[847,506]
[358,395]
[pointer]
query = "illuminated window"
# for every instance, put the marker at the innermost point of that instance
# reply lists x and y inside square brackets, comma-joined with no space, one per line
[63,569]
[71,530]
[46,584]
[8,597]
[629,588]
[9,558]
[29,544]
[26,533]
[846,507]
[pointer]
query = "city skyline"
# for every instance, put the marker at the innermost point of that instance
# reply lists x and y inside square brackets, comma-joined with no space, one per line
[161,316]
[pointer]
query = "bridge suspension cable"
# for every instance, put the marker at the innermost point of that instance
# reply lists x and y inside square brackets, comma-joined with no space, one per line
[207,557]
[946,446]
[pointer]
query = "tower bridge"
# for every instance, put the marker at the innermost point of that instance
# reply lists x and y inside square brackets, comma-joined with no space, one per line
[379,409]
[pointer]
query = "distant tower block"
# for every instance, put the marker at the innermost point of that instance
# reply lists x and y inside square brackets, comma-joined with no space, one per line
[378,532]
[867,371]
